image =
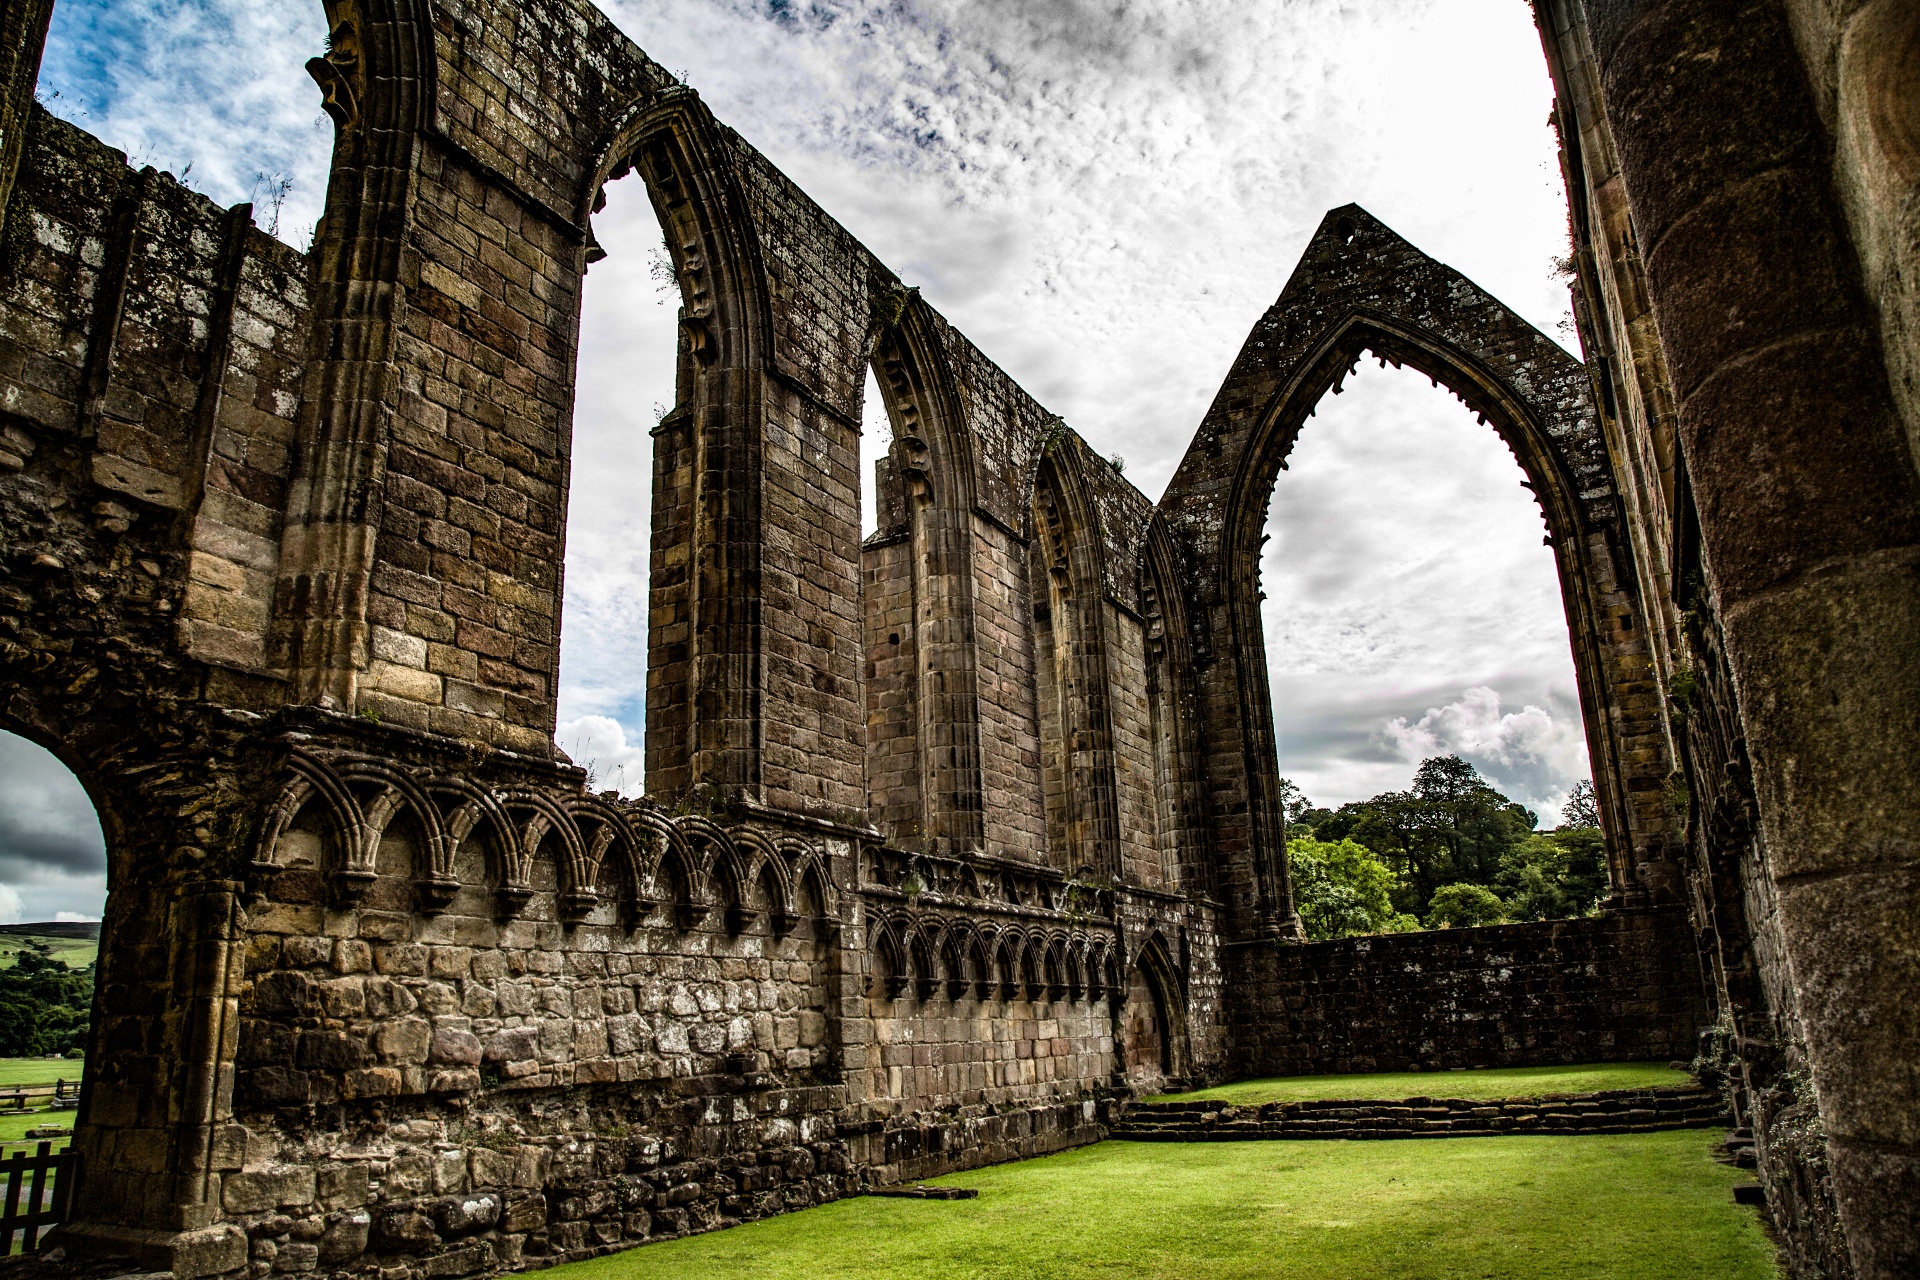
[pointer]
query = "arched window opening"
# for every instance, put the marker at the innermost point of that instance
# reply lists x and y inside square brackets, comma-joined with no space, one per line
[251,129]
[1423,687]
[626,385]
[53,888]
[876,438]
[1072,675]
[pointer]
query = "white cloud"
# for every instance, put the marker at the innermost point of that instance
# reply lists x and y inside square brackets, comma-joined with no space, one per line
[1104,197]
[1405,565]
[10,905]
[599,745]
[1532,754]
[213,91]
[73,917]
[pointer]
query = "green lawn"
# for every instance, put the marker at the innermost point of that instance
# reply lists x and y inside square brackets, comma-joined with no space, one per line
[1499,1082]
[38,1071]
[14,1126]
[1634,1207]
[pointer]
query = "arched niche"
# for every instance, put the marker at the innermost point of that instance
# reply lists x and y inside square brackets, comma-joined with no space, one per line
[1067,574]
[920,613]
[1150,1040]
[1362,290]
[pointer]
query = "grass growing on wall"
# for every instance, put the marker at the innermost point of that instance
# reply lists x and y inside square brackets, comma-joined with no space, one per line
[1491,1083]
[1632,1207]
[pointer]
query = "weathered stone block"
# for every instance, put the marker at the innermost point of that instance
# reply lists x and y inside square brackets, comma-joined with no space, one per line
[260,1190]
[342,1185]
[346,1238]
[404,1230]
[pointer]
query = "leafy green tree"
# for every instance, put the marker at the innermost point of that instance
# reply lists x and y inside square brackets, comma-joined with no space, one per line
[1342,889]
[1556,875]
[1451,827]
[1293,801]
[1461,906]
[44,1006]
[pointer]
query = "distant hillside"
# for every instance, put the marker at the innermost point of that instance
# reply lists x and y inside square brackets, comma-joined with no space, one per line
[89,930]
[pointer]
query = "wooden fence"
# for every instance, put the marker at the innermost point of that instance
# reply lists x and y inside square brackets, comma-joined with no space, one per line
[19,1097]
[39,1189]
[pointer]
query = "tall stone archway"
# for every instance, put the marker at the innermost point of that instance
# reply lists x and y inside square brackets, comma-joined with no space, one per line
[1362,289]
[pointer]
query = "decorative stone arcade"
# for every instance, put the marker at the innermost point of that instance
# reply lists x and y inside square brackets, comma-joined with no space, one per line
[953,838]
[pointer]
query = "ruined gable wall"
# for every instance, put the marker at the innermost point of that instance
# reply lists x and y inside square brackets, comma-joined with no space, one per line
[460,1013]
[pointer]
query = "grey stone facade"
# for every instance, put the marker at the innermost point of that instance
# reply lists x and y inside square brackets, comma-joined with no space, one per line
[956,838]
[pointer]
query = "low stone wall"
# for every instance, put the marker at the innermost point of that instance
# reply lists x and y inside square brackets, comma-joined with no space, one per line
[1619,987]
[1608,1111]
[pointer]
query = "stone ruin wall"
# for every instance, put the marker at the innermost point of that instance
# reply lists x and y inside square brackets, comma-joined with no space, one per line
[445,980]
[382,983]
[1621,987]
[1741,186]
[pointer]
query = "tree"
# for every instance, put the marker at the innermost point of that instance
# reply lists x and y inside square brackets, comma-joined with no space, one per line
[1341,889]
[1581,809]
[1461,906]
[44,1006]
[1453,828]
[1556,875]
[1293,801]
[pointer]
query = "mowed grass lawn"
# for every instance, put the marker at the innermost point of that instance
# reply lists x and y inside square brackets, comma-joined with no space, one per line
[14,1126]
[1635,1207]
[1499,1082]
[15,1071]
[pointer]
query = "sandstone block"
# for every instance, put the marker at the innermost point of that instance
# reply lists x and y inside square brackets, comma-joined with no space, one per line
[260,1190]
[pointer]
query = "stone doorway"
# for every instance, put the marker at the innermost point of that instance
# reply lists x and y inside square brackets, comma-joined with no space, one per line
[1144,1039]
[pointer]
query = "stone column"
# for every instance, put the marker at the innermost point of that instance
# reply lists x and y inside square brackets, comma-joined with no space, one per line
[1809,512]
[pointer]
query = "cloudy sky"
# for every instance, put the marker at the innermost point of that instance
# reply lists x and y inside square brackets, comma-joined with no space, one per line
[1105,195]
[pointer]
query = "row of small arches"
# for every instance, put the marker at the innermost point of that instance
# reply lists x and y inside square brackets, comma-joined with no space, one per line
[928,956]
[688,863]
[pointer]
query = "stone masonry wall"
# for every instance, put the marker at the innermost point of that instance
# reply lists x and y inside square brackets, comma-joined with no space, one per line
[925,875]
[1610,988]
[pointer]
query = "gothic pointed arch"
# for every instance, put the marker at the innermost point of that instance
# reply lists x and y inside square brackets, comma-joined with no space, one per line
[1361,289]
[1170,662]
[1152,1034]
[1069,576]
[704,635]
[930,491]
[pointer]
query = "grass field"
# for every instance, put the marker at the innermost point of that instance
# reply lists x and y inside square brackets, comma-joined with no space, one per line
[1506,1082]
[14,1126]
[15,1071]
[1634,1207]
[77,953]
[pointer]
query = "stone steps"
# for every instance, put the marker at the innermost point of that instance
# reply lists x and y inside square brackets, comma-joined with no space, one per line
[1610,1111]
